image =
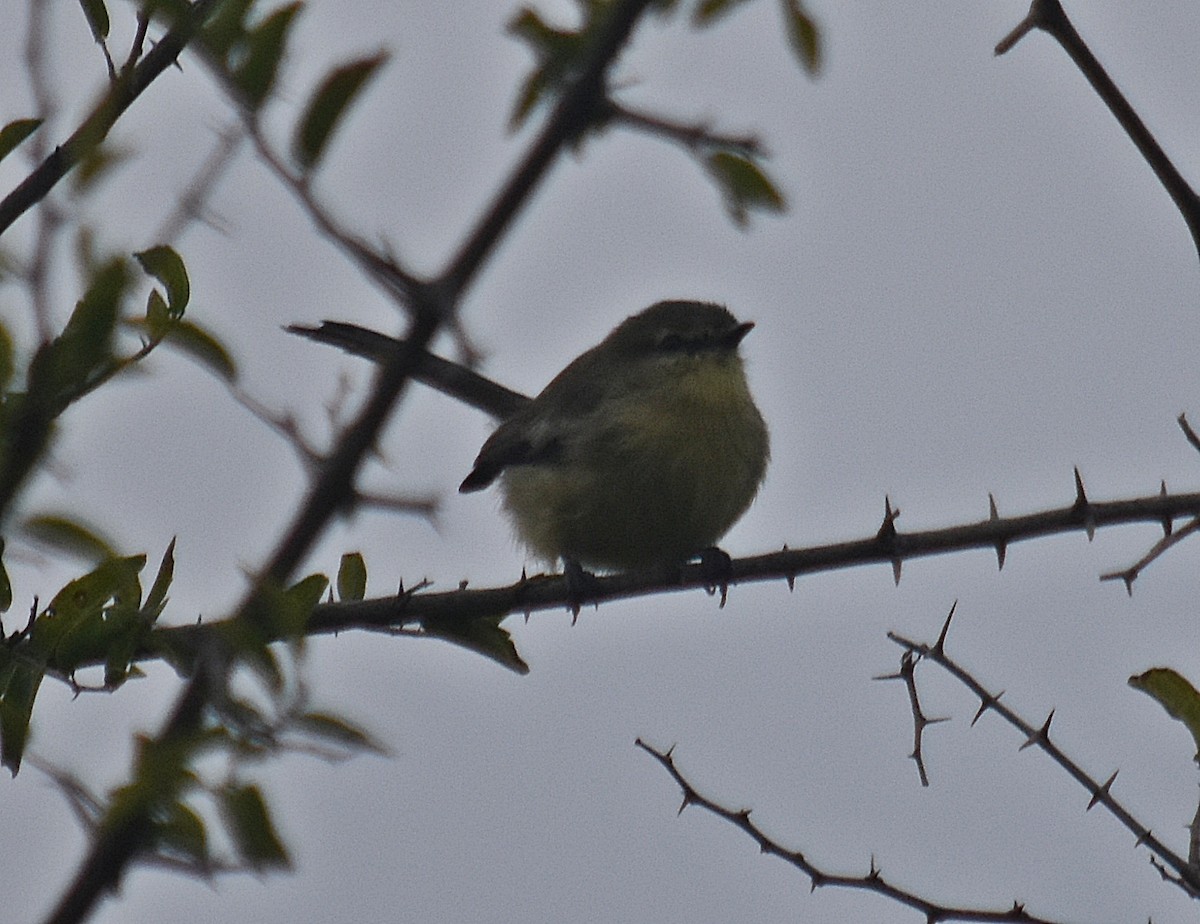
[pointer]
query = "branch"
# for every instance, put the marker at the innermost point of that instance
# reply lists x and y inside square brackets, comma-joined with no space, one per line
[1049,16]
[1188,878]
[127,832]
[872,881]
[121,94]
[554,592]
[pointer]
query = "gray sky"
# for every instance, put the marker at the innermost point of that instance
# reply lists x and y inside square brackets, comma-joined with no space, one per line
[979,285]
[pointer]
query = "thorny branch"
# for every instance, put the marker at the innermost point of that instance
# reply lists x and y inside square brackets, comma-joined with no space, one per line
[1049,16]
[872,881]
[1173,866]
[552,592]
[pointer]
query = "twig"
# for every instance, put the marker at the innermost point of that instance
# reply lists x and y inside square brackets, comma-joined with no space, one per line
[872,881]
[907,673]
[694,136]
[95,127]
[1100,792]
[1049,16]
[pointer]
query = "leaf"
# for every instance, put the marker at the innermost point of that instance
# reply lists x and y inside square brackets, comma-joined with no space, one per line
[7,358]
[90,614]
[338,731]
[157,598]
[63,369]
[803,35]
[182,832]
[743,186]
[484,636]
[165,265]
[19,682]
[249,822]
[97,17]
[327,107]
[1175,694]
[264,48]
[14,133]
[556,51]
[202,347]
[68,535]
[352,577]
[709,11]
[158,315]
[5,587]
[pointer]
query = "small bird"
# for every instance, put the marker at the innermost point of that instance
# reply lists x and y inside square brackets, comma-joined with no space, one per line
[642,452]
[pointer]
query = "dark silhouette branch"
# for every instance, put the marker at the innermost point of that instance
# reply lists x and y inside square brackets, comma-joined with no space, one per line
[553,592]
[121,94]
[1184,875]
[872,881]
[1049,16]
[123,837]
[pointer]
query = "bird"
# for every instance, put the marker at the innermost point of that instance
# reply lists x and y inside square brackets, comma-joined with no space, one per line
[642,452]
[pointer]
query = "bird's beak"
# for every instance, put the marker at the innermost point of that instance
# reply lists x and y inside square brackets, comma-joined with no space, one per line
[734,337]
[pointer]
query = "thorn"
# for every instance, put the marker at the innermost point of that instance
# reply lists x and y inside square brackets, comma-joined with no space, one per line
[687,800]
[1042,735]
[986,703]
[896,565]
[1080,494]
[1142,838]
[1102,792]
[1084,506]
[1022,28]
[791,582]
[939,646]
[1167,525]
[1001,544]
[887,530]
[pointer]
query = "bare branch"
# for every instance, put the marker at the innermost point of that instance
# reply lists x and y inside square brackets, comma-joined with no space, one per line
[1099,793]
[872,881]
[1049,16]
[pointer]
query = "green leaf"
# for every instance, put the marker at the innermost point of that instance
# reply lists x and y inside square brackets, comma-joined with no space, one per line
[90,614]
[1175,694]
[556,51]
[165,265]
[483,636]
[264,48]
[65,534]
[338,731]
[14,133]
[8,361]
[327,107]
[62,370]
[97,17]
[19,682]
[803,35]
[743,186]
[709,11]
[352,577]
[227,25]
[182,832]
[5,587]
[202,347]
[158,315]
[157,598]
[98,162]
[249,823]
